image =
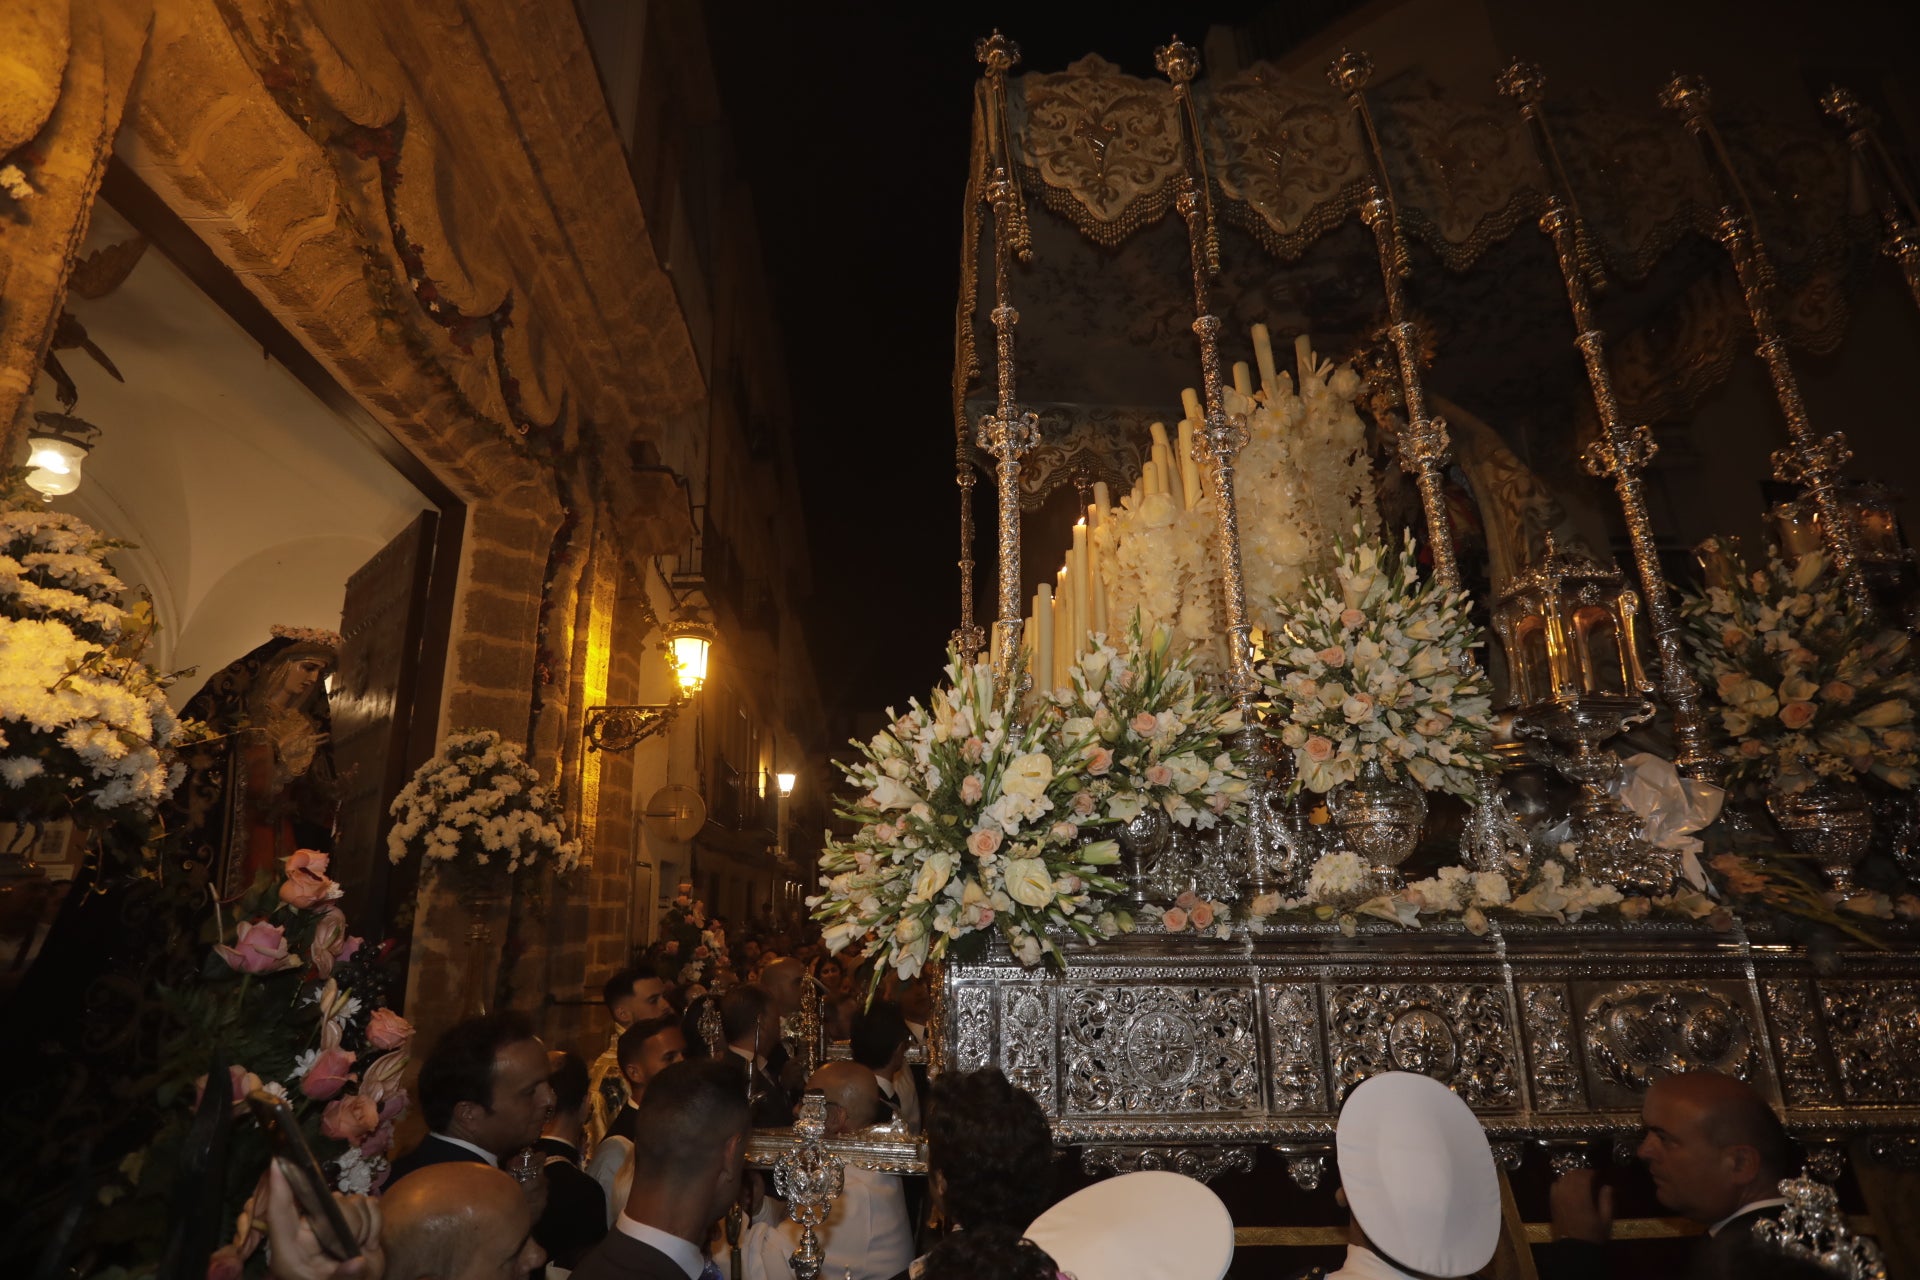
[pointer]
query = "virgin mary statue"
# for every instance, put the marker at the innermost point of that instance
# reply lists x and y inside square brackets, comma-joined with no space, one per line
[263,785]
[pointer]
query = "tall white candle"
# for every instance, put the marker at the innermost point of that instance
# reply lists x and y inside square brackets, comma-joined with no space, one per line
[1062,624]
[1096,576]
[1190,401]
[1102,504]
[1189,465]
[1082,591]
[1263,352]
[1243,379]
[1043,636]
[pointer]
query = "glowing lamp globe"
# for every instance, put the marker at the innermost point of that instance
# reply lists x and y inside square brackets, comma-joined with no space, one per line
[689,650]
[54,464]
[785,782]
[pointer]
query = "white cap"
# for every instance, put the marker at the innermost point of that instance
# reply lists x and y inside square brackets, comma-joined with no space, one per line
[1418,1174]
[1139,1226]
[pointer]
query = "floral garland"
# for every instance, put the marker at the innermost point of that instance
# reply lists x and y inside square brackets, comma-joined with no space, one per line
[479,804]
[1807,688]
[691,947]
[85,729]
[1305,476]
[1148,735]
[969,824]
[1376,667]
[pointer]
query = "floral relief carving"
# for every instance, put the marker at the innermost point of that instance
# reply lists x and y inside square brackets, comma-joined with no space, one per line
[1874,1028]
[1458,1033]
[1160,1049]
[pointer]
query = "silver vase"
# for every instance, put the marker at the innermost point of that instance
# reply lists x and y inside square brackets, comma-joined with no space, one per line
[1143,839]
[1379,819]
[1828,823]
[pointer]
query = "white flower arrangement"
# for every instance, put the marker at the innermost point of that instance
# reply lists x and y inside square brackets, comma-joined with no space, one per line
[968,827]
[1145,733]
[1305,478]
[479,804]
[1341,887]
[1807,689]
[1376,667]
[1161,568]
[85,729]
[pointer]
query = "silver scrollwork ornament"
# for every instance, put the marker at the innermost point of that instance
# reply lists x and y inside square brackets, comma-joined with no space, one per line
[1811,1227]
[808,1177]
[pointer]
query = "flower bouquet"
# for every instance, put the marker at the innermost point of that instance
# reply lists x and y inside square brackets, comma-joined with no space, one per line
[477,811]
[1806,688]
[1145,734]
[690,948]
[85,729]
[1374,669]
[970,824]
[1161,568]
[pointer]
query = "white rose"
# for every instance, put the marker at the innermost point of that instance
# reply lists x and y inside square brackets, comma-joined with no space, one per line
[1028,775]
[1029,882]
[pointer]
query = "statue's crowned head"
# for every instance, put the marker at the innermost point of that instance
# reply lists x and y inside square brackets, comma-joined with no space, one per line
[291,674]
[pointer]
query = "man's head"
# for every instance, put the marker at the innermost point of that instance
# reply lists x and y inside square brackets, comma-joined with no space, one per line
[879,1039]
[748,1020]
[989,1150]
[916,1001]
[1712,1145]
[458,1221]
[691,1135]
[782,980]
[486,1083]
[568,1079]
[853,1096]
[632,996]
[648,1048]
[838,1014]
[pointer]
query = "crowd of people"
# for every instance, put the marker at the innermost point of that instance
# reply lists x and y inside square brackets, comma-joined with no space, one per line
[631,1163]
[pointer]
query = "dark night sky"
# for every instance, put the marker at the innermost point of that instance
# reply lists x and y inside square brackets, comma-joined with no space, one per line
[852,122]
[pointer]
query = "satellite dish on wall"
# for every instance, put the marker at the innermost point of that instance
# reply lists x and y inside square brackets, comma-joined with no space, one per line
[675,813]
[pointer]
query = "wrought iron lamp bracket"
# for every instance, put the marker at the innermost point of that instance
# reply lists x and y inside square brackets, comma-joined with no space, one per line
[624,728]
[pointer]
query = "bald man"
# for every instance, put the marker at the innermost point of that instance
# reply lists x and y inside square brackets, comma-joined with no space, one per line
[867,1234]
[458,1221]
[1716,1152]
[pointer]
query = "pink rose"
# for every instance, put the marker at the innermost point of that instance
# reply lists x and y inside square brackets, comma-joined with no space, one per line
[1158,775]
[1062,830]
[350,1119]
[1083,802]
[886,833]
[673,947]
[1186,899]
[1099,760]
[1732,637]
[1319,748]
[1201,915]
[388,1030]
[1752,748]
[984,843]
[1144,724]
[328,1075]
[306,885]
[1348,618]
[971,788]
[702,952]
[258,947]
[329,939]
[1797,715]
[1838,691]
[1175,919]
[972,749]
[1333,655]
[348,949]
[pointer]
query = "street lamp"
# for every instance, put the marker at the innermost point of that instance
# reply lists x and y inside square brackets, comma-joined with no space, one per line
[55,452]
[785,782]
[688,643]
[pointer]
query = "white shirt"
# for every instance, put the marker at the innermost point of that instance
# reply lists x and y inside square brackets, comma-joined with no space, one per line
[1749,1207]
[1364,1264]
[482,1152]
[612,1168]
[866,1234]
[685,1253]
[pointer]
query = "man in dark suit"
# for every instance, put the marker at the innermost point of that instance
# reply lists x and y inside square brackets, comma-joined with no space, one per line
[748,1021]
[880,1040]
[1716,1152]
[575,1218]
[690,1149]
[483,1092]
